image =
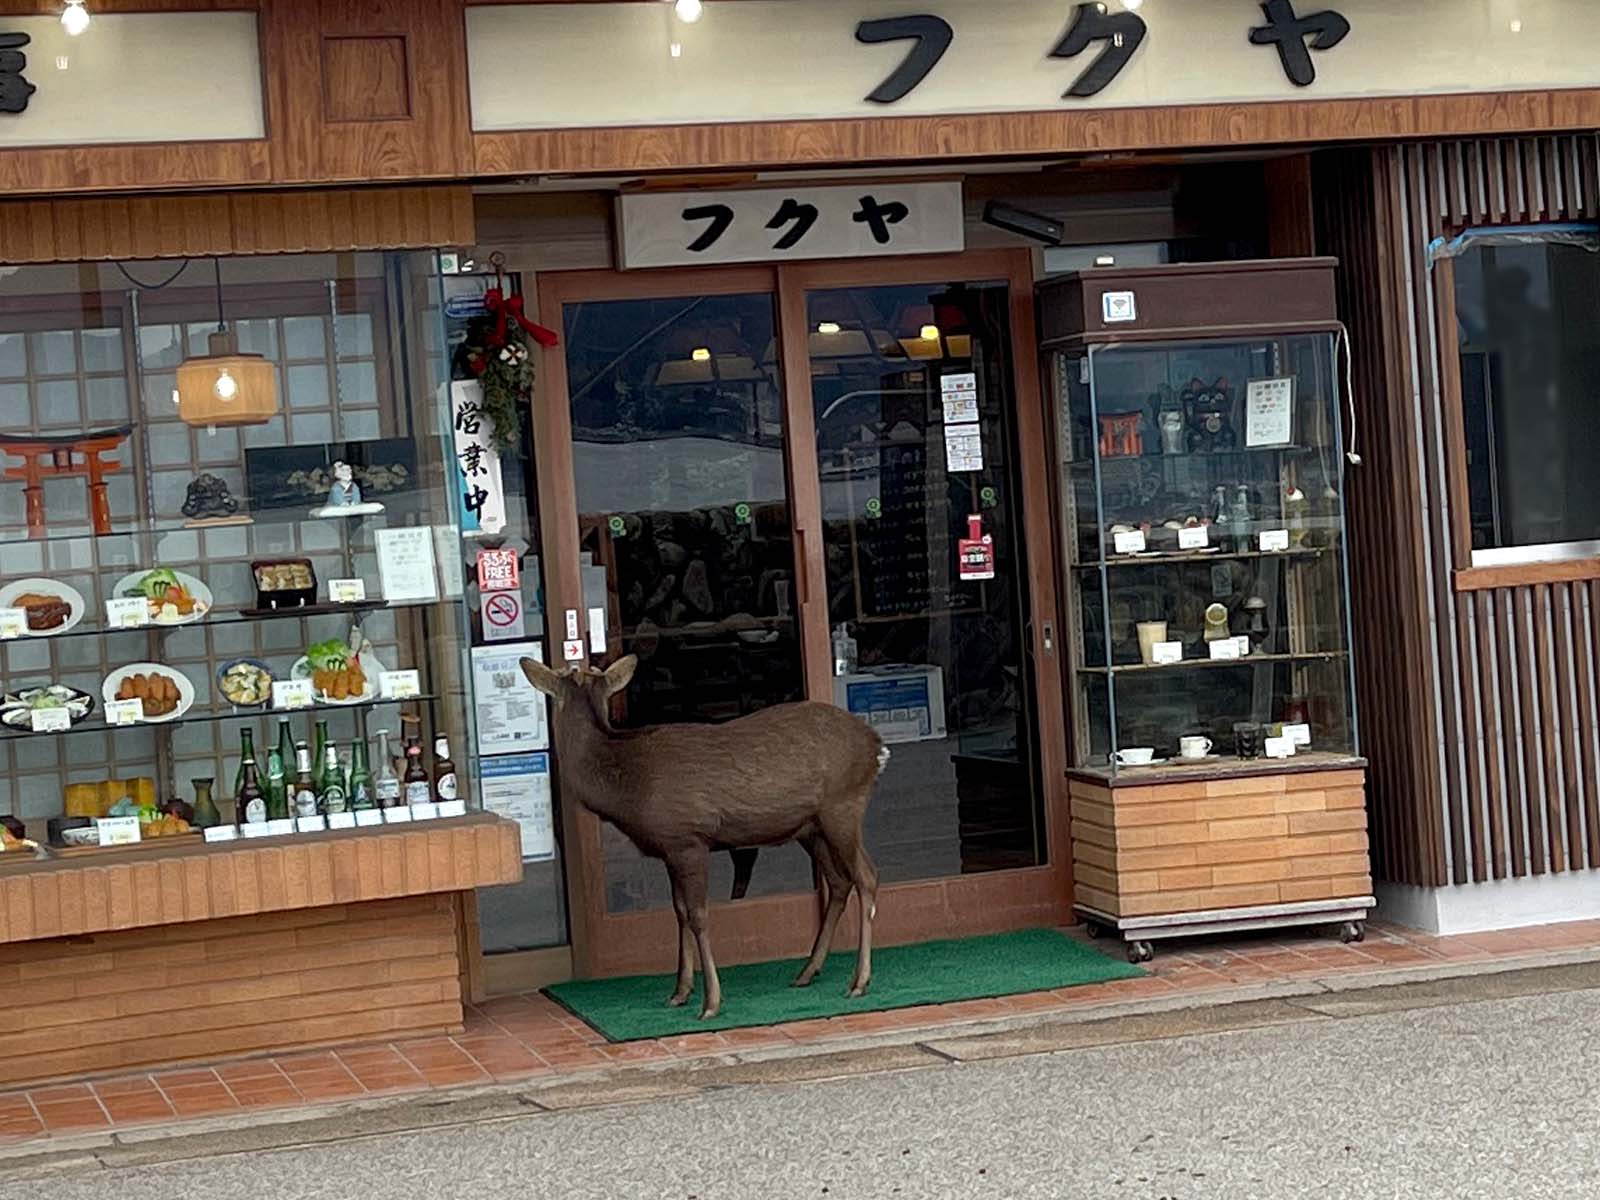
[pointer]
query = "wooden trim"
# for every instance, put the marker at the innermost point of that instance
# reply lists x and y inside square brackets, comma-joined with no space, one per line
[79,229]
[1453,403]
[1291,223]
[524,971]
[1512,575]
[763,144]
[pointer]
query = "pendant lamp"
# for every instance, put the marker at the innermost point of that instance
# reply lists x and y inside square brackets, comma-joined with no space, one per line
[224,386]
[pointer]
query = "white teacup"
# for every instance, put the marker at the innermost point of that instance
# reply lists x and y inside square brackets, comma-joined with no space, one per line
[1136,756]
[1194,747]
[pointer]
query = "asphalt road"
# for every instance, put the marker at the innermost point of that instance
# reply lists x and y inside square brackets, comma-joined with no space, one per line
[1496,1098]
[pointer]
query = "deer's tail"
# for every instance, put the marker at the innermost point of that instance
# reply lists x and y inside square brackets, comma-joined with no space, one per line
[883,759]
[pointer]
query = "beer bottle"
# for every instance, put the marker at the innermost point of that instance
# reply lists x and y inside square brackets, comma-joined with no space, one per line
[247,753]
[248,800]
[444,771]
[322,745]
[386,786]
[361,789]
[305,789]
[277,787]
[332,790]
[418,789]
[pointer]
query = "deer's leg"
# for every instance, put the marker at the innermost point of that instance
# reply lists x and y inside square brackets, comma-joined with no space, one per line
[838,884]
[865,876]
[692,870]
[680,994]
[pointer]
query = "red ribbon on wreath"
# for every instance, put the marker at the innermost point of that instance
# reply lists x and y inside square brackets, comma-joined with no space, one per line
[506,310]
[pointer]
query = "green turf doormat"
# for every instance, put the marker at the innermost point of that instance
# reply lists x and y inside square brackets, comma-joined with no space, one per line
[1005,964]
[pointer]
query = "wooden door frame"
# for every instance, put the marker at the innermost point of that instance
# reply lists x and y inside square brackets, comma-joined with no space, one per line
[779,926]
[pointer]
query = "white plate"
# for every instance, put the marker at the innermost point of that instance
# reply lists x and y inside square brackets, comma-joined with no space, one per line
[370,666]
[48,587]
[108,690]
[203,599]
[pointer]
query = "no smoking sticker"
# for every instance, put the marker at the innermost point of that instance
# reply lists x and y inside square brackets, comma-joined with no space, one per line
[503,617]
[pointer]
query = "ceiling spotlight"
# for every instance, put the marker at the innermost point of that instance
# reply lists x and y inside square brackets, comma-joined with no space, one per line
[75,18]
[688,10]
[828,327]
[701,354]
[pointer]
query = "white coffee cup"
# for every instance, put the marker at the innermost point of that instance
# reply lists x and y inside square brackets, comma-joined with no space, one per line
[1194,747]
[1137,756]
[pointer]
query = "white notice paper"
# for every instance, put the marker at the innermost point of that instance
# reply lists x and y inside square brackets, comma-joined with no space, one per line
[963,448]
[13,622]
[510,710]
[1131,542]
[406,563]
[118,831]
[50,720]
[960,393]
[1269,412]
[1300,734]
[1194,537]
[1165,653]
[124,712]
[518,788]
[1274,541]
[1224,650]
[127,612]
[1279,747]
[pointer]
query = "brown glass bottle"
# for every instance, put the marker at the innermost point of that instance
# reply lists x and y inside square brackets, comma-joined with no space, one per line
[445,786]
[250,805]
[418,788]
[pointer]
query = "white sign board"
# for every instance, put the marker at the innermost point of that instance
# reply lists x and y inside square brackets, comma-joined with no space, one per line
[518,788]
[504,618]
[963,447]
[137,77]
[1269,411]
[406,563]
[510,710]
[479,481]
[585,65]
[677,229]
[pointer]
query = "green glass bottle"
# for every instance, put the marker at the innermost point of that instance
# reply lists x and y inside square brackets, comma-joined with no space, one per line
[247,754]
[331,789]
[205,807]
[362,793]
[277,786]
[320,750]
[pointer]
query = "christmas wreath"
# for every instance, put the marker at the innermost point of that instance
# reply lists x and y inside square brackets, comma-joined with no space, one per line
[497,353]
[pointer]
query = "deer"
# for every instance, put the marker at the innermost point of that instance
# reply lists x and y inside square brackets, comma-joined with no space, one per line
[801,772]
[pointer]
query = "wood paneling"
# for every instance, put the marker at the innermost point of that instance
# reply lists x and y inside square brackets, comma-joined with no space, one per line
[210,989]
[366,78]
[1476,684]
[1223,843]
[899,139]
[77,896]
[130,227]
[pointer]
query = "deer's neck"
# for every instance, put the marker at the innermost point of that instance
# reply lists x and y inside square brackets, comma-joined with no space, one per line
[592,761]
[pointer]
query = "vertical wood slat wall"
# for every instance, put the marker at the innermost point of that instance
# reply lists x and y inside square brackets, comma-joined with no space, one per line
[1479,708]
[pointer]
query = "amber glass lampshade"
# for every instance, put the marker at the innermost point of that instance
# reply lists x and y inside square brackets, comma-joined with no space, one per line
[225,387]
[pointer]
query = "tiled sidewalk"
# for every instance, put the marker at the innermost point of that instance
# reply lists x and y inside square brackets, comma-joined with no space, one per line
[529,1038]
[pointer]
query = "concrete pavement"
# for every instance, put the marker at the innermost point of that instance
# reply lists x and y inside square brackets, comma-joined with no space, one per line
[1462,1088]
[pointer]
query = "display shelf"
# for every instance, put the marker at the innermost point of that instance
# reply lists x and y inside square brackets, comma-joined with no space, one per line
[1163,559]
[1202,455]
[200,715]
[1193,664]
[231,616]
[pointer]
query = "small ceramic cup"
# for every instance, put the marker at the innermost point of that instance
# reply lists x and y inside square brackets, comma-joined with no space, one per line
[1136,756]
[1194,747]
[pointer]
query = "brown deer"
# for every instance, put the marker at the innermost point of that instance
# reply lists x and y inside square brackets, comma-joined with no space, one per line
[795,772]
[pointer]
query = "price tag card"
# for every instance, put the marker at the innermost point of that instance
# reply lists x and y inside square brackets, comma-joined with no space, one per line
[259,829]
[369,816]
[399,685]
[399,815]
[50,720]
[1165,653]
[1224,650]
[281,828]
[13,622]
[1194,537]
[344,820]
[222,833]
[452,808]
[127,612]
[293,693]
[425,812]
[1129,543]
[1274,541]
[310,824]
[1300,735]
[124,712]
[118,831]
[347,591]
[1279,747]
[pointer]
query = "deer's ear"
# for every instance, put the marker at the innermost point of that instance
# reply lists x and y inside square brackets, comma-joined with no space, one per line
[620,673]
[542,677]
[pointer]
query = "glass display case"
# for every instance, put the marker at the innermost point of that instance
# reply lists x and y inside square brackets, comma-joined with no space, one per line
[1202,487]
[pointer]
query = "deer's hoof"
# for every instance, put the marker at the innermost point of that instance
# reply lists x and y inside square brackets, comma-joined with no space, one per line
[708,1012]
[802,980]
[858,990]
[676,1001]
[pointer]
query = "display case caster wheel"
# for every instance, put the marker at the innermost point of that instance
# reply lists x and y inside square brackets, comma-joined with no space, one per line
[1140,952]
[1353,931]
[1093,930]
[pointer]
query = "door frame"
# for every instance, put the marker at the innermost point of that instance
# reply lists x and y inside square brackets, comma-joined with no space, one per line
[784,926]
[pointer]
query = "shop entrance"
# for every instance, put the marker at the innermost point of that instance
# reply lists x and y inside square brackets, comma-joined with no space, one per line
[823,482]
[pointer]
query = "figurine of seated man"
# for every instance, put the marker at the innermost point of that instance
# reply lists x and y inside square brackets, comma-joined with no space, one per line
[344,497]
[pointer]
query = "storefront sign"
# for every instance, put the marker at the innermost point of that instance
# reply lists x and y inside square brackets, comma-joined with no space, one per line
[504,619]
[498,571]
[481,486]
[576,65]
[518,788]
[130,77]
[675,229]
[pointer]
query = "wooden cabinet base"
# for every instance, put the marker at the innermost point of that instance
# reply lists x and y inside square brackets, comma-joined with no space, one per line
[242,985]
[1290,842]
